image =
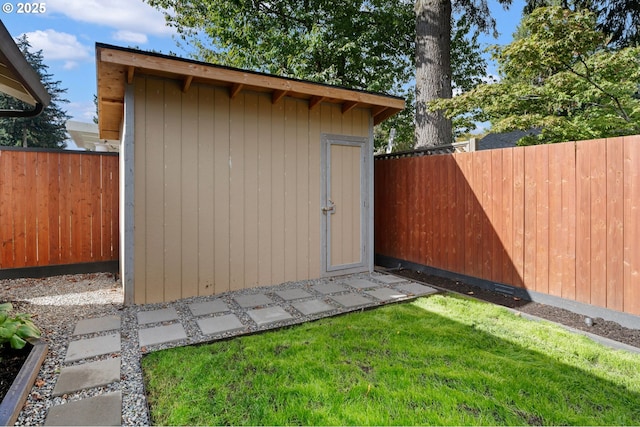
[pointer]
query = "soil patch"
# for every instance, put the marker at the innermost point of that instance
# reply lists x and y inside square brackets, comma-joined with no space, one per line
[601,327]
[11,361]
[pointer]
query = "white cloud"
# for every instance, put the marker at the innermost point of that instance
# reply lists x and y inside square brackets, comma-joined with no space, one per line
[82,111]
[129,17]
[59,46]
[130,36]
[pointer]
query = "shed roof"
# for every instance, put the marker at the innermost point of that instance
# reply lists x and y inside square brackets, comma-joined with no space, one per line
[17,78]
[117,66]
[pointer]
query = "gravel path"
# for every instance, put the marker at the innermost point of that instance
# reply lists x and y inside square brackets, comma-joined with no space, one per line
[56,304]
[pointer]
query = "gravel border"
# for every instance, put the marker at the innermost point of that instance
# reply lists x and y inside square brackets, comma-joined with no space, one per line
[58,303]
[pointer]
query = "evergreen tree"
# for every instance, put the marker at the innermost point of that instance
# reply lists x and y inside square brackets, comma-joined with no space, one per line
[46,130]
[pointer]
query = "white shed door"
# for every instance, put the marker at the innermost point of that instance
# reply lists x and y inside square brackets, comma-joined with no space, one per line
[343,204]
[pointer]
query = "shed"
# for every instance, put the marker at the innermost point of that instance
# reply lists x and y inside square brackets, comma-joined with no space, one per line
[232,179]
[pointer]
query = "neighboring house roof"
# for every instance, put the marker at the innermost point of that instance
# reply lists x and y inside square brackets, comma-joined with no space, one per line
[18,79]
[117,66]
[504,139]
[85,135]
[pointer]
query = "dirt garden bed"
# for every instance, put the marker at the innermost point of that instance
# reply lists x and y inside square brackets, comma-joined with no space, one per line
[601,327]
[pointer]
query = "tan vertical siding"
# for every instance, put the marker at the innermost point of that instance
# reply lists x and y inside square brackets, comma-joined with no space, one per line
[206,266]
[227,190]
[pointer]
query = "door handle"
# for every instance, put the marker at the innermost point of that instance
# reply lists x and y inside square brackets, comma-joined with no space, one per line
[331,208]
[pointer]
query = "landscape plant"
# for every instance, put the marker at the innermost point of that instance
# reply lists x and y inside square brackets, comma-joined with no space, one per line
[16,330]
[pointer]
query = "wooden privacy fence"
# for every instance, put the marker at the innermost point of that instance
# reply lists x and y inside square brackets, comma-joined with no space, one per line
[561,219]
[57,208]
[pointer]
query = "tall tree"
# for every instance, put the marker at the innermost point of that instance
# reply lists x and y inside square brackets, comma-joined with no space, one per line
[433,70]
[47,130]
[561,77]
[360,44]
[433,60]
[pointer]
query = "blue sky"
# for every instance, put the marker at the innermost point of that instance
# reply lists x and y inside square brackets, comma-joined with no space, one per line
[68,30]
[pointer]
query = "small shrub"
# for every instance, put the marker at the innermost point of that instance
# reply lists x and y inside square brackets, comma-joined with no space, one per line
[16,330]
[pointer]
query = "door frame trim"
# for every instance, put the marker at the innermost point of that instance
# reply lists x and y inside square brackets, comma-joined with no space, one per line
[365,263]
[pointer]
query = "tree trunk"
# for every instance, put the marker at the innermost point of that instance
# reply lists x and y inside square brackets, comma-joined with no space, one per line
[24,135]
[433,70]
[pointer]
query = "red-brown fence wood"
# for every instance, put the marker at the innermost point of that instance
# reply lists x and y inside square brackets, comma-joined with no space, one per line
[57,208]
[561,219]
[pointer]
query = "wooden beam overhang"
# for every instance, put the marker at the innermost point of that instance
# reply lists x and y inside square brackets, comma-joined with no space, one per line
[315,101]
[117,66]
[130,74]
[186,84]
[348,106]
[235,89]
[277,95]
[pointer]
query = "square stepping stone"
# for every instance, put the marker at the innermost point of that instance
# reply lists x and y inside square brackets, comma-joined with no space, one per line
[161,334]
[313,306]
[98,324]
[328,288]
[293,294]
[208,307]
[361,283]
[91,347]
[220,324]
[351,300]
[416,289]
[264,316]
[102,410]
[385,294]
[87,375]
[249,301]
[156,316]
[389,279]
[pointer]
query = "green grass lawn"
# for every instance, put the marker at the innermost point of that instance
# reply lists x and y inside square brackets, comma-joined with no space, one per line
[444,360]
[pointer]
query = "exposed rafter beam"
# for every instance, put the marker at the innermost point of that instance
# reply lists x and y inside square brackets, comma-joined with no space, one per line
[278,95]
[378,109]
[314,101]
[186,84]
[235,89]
[130,72]
[348,106]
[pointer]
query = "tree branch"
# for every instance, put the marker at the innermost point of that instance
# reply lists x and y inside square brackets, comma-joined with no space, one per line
[586,76]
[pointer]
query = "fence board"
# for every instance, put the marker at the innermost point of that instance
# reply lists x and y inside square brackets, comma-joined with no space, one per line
[518,217]
[506,214]
[556,163]
[632,225]
[19,202]
[30,219]
[569,224]
[615,224]
[7,255]
[42,211]
[530,207]
[496,237]
[542,218]
[53,190]
[598,209]
[583,223]
[50,208]
[561,219]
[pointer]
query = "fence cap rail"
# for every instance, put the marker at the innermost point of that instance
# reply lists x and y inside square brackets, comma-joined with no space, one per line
[428,151]
[57,150]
